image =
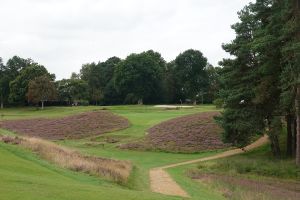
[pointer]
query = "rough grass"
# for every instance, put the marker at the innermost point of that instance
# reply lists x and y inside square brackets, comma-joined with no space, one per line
[253,166]
[187,134]
[118,171]
[250,176]
[241,188]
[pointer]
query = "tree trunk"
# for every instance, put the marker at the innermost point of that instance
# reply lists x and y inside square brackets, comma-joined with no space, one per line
[2,104]
[297,105]
[140,102]
[42,105]
[289,139]
[294,135]
[274,131]
[275,146]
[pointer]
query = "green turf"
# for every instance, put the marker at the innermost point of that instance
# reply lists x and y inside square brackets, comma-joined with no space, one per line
[48,112]
[50,181]
[23,176]
[195,189]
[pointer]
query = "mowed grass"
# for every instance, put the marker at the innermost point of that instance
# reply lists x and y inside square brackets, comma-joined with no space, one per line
[50,182]
[24,176]
[48,112]
[114,170]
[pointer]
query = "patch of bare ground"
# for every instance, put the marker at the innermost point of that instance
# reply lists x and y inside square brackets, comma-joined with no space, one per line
[250,189]
[187,134]
[115,170]
[71,127]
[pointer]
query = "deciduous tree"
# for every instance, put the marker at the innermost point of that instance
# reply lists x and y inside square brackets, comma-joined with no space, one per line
[190,74]
[138,78]
[19,86]
[41,89]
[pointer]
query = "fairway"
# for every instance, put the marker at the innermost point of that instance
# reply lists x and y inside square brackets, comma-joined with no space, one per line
[150,100]
[141,118]
[23,169]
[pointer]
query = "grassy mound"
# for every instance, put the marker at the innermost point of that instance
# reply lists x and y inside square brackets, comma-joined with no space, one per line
[24,176]
[118,171]
[72,127]
[187,134]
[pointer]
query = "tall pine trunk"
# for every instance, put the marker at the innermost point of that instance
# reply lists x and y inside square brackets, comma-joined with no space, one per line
[294,135]
[274,131]
[289,139]
[2,103]
[297,105]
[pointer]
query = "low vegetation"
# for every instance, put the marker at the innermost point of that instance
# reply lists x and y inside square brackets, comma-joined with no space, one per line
[250,176]
[240,188]
[76,126]
[118,171]
[187,134]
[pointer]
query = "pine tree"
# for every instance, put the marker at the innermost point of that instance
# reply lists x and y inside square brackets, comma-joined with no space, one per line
[291,52]
[241,118]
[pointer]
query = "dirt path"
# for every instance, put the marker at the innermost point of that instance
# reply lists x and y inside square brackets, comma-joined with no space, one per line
[161,181]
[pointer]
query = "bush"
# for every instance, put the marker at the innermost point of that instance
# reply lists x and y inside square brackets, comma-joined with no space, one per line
[219,103]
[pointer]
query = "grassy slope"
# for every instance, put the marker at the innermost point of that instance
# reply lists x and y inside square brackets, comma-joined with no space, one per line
[141,118]
[23,176]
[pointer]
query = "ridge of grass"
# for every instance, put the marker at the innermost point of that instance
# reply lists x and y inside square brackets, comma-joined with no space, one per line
[26,177]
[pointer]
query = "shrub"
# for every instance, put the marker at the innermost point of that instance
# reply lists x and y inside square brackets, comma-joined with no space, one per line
[219,103]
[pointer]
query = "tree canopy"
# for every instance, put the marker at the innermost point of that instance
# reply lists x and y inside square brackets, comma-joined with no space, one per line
[260,83]
[190,74]
[41,89]
[27,70]
[138,78]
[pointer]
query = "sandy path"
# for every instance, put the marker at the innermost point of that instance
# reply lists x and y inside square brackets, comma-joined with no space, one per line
[161,181]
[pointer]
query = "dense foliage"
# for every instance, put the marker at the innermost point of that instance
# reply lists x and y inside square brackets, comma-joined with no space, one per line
[41,89]
[140,78]
[259,83]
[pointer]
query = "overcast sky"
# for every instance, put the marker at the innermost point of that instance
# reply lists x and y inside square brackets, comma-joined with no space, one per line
[64,34]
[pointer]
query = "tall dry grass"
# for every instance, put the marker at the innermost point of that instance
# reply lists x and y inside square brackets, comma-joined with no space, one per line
[118,171]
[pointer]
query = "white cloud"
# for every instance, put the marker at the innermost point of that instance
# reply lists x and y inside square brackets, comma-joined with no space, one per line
[64,34]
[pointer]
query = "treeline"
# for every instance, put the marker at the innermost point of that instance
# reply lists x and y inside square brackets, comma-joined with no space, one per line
[260,85]
[140,78]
